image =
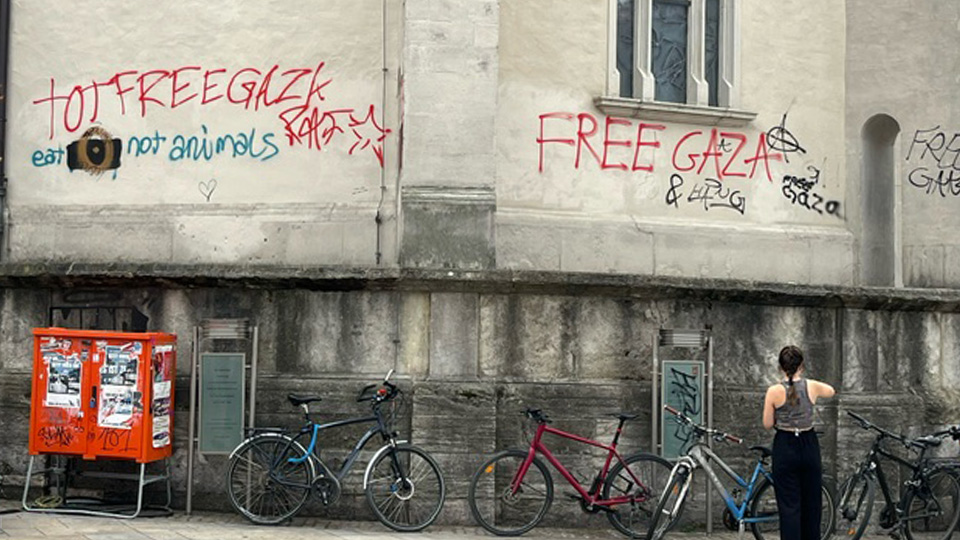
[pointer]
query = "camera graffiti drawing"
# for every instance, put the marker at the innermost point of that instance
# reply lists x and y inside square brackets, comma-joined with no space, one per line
[95,152]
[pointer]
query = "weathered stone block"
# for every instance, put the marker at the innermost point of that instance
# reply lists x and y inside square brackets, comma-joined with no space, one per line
[453,335]
[445,228]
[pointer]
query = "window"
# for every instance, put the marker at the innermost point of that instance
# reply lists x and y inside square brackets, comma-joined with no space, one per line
[675,57]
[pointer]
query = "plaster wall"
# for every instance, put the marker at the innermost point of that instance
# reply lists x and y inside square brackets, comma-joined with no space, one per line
[902,60]
[671,208]
[258,132]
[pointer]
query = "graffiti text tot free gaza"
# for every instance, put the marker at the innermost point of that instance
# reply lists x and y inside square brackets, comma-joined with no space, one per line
[171,88]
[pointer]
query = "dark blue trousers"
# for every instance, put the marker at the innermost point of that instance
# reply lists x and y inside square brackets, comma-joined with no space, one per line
[797,479]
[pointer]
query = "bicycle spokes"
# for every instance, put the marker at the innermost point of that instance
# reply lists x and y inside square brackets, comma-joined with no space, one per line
[932,509]
[264,485]
[405,489]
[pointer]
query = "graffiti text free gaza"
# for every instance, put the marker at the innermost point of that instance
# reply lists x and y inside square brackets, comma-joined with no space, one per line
[723,154]
[171,88]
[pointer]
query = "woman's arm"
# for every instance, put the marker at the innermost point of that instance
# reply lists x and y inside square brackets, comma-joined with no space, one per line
[822,389]
[768,407]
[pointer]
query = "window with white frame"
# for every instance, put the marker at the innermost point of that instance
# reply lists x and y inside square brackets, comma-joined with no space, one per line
[679,54]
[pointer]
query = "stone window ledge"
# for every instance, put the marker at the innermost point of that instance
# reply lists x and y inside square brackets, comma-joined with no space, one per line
[673,112]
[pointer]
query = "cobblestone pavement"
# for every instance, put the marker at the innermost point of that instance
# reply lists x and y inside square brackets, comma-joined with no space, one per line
[217,526]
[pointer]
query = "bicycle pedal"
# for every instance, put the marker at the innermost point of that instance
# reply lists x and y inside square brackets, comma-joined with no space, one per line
[574,496]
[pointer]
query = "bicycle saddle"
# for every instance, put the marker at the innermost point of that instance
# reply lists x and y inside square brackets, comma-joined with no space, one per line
[764,451]
[624,416]
[296,401]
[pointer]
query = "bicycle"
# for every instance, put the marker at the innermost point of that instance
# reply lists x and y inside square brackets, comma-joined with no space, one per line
[929,505]
[512,491]
[758,505]
[271,473]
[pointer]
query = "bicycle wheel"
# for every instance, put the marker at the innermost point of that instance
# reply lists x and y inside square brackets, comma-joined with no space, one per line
[494,504]
[264,486]
[405,488]
[932,509]
[764,505]
[670,504]
[855,506]
[633,518]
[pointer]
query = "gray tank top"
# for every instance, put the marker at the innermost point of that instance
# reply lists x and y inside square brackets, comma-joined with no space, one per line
[798,415]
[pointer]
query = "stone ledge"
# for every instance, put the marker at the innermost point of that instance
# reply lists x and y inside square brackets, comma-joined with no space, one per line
[673,112]
[332,278]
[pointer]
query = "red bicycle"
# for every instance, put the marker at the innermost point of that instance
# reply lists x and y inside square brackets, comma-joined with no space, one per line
[512,491]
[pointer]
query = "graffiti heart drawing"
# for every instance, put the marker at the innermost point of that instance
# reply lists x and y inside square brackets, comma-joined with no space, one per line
[207,188]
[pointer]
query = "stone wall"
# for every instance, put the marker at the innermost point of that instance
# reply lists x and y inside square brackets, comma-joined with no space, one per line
[471,349]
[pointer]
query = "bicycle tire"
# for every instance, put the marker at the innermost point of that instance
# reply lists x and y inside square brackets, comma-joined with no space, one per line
[252,479]
[653,471]
[854,506]
[663,519]
[395,494]
[490,499]
[764,502]
[938,494]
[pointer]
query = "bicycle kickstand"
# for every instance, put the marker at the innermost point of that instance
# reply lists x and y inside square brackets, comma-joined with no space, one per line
[740,527]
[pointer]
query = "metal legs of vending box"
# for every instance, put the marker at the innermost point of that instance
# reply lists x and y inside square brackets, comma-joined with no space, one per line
[62,505]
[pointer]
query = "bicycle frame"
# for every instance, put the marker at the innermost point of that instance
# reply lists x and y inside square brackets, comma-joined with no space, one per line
[313,429]
[873,466]
[700,456]
[537,446]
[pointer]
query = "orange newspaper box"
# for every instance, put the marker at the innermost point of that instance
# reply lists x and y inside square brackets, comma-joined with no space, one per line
[102,394]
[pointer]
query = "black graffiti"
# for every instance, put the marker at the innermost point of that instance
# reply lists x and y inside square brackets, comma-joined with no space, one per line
[57,435]
[115,439]
[780,139]
[684,387]
[713,195]
[799,190]
[936,145]
[944,183]
[673,194]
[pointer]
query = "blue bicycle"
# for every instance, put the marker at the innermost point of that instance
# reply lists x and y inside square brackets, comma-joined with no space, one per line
[752,502]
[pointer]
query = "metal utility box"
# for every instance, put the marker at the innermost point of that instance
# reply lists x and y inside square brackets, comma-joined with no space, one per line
[102,394]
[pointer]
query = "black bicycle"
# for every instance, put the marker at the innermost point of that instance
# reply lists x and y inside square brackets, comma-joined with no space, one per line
[271,473]
[929,505]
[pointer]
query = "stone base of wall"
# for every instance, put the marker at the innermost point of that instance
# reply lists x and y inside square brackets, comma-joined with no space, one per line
[471,352]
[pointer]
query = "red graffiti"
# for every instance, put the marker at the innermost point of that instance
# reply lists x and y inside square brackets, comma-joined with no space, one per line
[717,154]
[297,94]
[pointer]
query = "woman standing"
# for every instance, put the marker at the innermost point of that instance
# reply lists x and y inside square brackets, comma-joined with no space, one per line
[797,472]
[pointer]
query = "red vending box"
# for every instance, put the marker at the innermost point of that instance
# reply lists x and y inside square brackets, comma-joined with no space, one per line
[102,394]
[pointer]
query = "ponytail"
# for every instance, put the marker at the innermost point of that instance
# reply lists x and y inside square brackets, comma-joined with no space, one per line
[791,358]
[792,397]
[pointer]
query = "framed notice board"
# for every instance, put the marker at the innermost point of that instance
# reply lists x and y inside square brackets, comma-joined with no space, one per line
[681,387]
[222,385]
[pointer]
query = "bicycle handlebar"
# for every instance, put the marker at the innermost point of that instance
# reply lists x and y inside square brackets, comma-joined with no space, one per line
[536,415]
[700,430]
[385,392]
[903,439]
[952,431]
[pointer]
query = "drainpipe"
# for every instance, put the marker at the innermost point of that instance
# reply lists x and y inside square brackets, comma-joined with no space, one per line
[4,57]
